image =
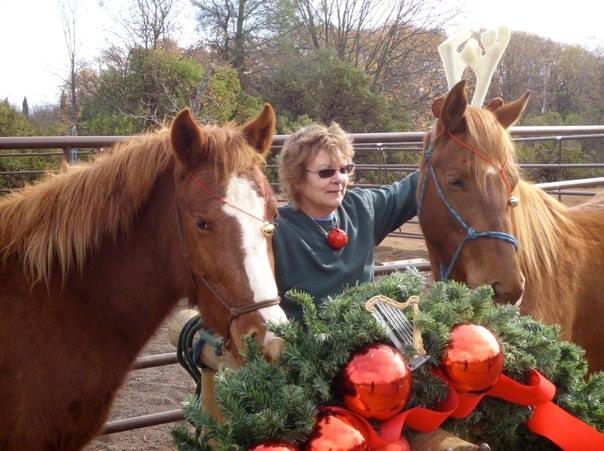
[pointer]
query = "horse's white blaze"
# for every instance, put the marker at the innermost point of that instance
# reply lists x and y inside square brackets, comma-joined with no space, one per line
[242,194]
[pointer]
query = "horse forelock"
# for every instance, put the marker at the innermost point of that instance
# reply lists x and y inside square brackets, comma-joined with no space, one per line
[230,152]
[52,226]
[486,134]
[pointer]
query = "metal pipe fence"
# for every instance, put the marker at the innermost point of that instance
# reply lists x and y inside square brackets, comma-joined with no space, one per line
[375,143]
[371,142]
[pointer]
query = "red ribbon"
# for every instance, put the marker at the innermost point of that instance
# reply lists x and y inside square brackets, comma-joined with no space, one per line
[548,420]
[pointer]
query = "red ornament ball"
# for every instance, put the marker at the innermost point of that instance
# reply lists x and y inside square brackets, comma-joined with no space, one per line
[337,238]
[376,382]
[337,431]
[275,446]
[473,359]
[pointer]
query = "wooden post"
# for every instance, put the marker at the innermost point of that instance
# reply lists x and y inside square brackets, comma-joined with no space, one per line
[440,440]
[67,155]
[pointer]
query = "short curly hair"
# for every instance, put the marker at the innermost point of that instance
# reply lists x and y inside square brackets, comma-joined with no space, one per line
[302,147]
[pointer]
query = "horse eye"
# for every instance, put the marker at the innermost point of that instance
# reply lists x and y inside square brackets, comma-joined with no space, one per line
[202,225]
[459,183]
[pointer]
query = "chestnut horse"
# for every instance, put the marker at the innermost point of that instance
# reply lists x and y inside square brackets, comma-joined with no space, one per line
[94,259]
[483,224]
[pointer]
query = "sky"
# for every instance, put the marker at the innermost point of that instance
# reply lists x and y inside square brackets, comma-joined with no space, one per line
[34,60]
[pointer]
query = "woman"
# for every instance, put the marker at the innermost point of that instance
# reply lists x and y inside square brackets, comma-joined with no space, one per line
[326,235]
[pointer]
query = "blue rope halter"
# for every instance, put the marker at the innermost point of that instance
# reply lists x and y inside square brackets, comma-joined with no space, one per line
[471,233]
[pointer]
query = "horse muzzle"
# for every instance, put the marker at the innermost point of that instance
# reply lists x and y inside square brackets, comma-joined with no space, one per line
[254,325]
[509,291]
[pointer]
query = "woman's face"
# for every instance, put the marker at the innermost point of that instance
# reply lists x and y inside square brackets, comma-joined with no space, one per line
[321,196]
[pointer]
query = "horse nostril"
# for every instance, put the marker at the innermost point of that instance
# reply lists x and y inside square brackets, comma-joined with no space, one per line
[271,346]
[252,334]
[507,293]
[274,348]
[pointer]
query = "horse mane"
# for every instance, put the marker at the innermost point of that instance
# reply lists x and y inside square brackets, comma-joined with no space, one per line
[541,224]
[57,223]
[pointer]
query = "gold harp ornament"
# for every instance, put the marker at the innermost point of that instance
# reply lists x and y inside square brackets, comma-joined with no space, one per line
[402,332]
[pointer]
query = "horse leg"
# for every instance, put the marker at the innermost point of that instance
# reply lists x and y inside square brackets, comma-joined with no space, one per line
[208,388]
[212,363]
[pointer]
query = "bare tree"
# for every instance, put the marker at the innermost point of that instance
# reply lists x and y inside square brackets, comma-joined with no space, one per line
[69,18]
[235,29]
[527,63]
[148,23]
[378,36]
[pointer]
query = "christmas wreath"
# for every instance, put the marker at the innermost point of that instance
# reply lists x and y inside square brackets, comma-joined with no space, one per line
[264,402]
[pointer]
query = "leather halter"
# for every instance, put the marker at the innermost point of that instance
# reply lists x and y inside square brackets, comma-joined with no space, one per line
[234,310]
[471,233]
[237,311]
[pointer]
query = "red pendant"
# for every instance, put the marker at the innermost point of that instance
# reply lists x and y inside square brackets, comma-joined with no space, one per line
[337,238]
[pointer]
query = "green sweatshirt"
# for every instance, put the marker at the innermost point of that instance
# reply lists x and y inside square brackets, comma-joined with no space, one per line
[304,259]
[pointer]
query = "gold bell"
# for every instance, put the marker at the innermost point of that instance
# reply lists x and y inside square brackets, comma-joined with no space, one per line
[268,229]
[513,201]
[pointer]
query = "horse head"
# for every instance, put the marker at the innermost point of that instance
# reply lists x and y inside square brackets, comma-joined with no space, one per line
[224,201]
[468,178]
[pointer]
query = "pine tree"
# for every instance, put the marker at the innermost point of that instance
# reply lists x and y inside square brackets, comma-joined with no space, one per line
[25,108]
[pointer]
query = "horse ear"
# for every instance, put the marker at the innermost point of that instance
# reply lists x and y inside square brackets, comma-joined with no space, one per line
[260,131]
[494,104]
[437,106]
[454,108]
[510,113]
[187,138]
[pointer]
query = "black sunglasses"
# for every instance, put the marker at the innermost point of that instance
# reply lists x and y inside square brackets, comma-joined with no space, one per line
[327,173]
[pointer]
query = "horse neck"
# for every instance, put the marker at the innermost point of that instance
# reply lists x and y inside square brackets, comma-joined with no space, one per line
[550,250]
[133,282]
[71,342]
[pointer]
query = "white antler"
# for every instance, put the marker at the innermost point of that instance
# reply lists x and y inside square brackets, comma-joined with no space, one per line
[453,60]
[484,64]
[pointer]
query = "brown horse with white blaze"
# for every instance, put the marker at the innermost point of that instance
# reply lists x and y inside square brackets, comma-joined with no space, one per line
[94,259]
[483,224]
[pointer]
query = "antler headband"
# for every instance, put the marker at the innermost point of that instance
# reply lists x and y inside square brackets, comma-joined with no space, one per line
[482,63]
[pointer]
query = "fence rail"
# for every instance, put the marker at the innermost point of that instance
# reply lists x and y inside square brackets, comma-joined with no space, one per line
[377,142]
[522,132]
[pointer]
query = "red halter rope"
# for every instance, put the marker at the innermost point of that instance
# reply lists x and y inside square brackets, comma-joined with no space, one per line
[207,190]
[479,154]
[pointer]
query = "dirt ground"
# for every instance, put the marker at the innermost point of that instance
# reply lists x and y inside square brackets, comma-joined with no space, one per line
[146,391]
[164,388]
